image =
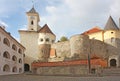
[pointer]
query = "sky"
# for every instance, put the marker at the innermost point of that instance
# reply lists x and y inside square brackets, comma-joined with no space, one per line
[64,17]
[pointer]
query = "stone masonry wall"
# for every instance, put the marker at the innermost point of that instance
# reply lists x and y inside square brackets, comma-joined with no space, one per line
[62,70]
[80,46]
[98,49]
[62,49]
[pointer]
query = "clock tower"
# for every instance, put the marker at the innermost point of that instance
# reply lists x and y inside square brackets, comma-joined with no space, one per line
[33,20]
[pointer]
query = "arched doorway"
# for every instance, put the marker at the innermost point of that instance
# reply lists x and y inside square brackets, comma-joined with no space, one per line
[26,67]
[113,63]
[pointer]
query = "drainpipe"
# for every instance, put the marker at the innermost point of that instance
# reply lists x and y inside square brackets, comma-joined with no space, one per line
[89,64]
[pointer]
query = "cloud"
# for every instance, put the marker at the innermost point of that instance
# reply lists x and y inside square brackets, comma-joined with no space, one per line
[66,17]
[3,23]
[76,16]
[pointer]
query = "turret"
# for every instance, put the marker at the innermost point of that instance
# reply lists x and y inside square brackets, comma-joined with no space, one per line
[110,32]
[46,38]
[33,20]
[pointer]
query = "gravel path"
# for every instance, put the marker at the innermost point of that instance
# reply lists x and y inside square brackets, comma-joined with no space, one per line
[25,77]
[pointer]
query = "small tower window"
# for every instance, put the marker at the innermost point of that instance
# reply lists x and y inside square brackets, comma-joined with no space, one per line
[112,32]
[47,40]
[52,41]
[32,23]
[41,40]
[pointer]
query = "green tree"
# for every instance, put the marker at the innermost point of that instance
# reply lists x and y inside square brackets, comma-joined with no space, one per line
[63,38]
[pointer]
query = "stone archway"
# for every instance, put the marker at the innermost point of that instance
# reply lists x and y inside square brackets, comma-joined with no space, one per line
[26,67]
[113,63]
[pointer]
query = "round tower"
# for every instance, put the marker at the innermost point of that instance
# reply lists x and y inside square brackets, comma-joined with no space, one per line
[111,31]
[79,45]
[46,38]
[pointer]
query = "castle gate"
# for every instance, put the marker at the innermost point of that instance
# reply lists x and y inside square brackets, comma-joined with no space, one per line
[113,63]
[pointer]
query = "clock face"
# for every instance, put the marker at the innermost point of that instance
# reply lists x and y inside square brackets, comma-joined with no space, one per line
[32,17]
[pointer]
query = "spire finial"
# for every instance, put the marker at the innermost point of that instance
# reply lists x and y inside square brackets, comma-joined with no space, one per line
[33,3]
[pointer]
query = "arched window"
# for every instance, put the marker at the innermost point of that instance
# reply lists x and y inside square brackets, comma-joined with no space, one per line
[6,55]
[113,63]
[14,69]
[14,47]
[32,22]
[6,68]
[47,39]
[26,67]
[20,70]
[20,51]
[20,60]
[14,58]
[6,41]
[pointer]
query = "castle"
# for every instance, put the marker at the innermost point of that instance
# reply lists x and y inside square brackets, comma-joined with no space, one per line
[92,50]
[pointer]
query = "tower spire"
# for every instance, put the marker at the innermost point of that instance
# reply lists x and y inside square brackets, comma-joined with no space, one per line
[33,3]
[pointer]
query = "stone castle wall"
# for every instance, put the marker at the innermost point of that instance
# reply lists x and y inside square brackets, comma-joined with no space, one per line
[62,70]
[78,48]
[62,49]
[81,46]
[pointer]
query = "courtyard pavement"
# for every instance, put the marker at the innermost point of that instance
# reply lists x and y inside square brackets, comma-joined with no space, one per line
[24,77]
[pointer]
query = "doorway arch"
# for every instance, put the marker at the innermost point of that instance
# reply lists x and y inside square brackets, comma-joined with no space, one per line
[113,63]
[26,67]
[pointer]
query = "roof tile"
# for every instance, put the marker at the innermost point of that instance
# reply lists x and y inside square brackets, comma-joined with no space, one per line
[111,25]
[93,30]
[45,29]
[101,62]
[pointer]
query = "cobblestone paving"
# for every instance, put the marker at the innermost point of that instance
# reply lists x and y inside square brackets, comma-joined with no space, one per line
[25,77]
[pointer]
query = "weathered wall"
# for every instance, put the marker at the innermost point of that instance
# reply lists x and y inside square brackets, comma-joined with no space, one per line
[80,45]
[29,40]
[44,52]
[62,70]
[62,49]
[98,49]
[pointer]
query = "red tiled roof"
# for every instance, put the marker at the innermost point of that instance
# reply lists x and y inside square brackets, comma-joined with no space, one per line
[45,29]
[93,30]
[102,63]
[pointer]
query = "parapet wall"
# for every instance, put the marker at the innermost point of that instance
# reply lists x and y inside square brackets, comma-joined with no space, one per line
[62,70]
